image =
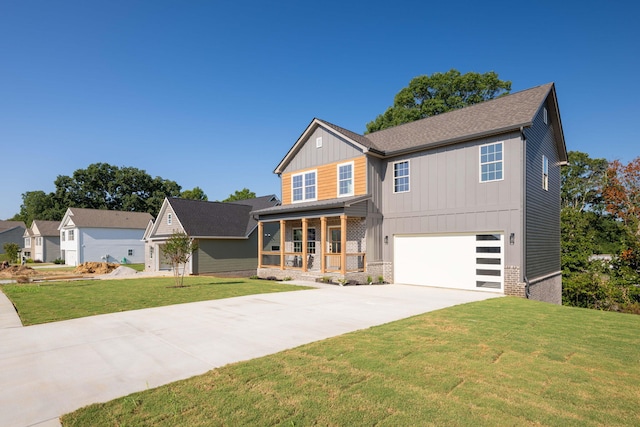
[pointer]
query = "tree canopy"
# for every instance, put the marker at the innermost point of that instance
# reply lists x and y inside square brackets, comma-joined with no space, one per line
[99,186]
[441,92]
[196,194]
[582,181]
[243,194]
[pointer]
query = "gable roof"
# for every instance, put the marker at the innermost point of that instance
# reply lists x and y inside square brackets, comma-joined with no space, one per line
[500,115]
[101,218]
[219,219]
[10,225]
[46,228]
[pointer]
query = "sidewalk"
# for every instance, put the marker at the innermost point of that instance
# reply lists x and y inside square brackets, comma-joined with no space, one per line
[8,316]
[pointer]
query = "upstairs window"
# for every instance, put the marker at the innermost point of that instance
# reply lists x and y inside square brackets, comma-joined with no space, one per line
[401,177]
[545,116]
[72,235]
[64,235]
[303,186]
[169,219]
[545,173]
[491,168]
[27,242]
[345,179]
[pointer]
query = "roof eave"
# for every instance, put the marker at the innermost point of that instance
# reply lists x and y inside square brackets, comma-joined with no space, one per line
[458,140]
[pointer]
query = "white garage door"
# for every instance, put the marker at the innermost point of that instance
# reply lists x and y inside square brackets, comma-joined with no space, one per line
[469,261]
[70,258]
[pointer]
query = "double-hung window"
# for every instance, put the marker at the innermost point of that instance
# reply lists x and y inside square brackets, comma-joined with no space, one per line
[545,172]
[72,235]
[401,176]
[345,179]
[303,186]
[491,167]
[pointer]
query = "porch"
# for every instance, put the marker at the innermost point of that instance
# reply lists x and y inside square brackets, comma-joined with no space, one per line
[302,243]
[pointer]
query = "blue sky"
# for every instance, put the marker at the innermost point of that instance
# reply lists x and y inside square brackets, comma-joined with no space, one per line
[213,94]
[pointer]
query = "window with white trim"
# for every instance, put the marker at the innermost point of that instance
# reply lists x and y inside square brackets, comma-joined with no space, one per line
[27,242]
[401,177]
[545,116]
[38,241]
[129,252]
[491,166]
[311,240]
[63,235]
[303,186]
[72,235]
[345,179]
[169,219]
[545,173]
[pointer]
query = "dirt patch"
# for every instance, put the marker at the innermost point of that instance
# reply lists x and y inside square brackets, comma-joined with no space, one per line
[18,270]
[95,268]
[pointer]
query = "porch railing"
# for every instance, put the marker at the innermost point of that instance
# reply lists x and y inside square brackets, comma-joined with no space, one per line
[333,262]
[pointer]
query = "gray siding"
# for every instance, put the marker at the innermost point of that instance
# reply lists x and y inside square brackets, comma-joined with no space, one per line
[13,236]
[226,255]
[334,148]
[51,249]
[163,228]
[542,212]
[446,195]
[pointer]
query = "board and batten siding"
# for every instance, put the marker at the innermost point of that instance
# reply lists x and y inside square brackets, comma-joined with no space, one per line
[542,211]
[334,149]
[327,179]
[446,196]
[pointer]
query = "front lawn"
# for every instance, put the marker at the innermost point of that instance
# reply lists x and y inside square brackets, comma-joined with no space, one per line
[54,301]
[504,361]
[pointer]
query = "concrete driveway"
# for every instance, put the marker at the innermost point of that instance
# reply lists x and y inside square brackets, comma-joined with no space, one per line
[52,369]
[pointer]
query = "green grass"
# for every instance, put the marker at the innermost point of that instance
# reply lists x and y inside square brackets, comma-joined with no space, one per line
[505,361]
[54,301]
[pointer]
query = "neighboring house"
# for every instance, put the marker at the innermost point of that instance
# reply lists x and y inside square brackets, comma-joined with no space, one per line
[102,236]
[468,199]
[226,234]
[11,232]
[42,241]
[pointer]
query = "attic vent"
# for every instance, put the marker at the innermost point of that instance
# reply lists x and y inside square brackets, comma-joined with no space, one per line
[319,142]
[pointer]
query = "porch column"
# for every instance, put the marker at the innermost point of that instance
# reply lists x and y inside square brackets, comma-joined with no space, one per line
[305,226]
[260,242]
[282,236]
[343,244]
[323,244]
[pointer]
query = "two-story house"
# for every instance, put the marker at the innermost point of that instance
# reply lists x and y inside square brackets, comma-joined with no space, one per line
[97,235]
[468,199]
[42,241]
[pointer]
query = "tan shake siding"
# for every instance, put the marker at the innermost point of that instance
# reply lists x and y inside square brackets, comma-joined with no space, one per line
[164,228]
[327,180]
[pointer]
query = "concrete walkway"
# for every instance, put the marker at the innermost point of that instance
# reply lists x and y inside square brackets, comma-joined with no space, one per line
[52,369]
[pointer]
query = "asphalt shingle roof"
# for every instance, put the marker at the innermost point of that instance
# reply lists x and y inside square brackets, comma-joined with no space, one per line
[10,225]
[47,228]
[100,218]
[219,219]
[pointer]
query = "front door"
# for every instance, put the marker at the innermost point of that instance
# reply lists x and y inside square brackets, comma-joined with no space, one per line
[335,241]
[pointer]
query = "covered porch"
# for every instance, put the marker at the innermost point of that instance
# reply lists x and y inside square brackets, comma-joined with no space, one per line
[314,240]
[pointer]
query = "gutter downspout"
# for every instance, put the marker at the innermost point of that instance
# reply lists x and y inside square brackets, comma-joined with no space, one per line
[527,292]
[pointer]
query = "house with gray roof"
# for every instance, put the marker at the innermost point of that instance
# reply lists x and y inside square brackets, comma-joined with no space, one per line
[42,241]
[468,199]
[226,234]
[11,232]
[98,235]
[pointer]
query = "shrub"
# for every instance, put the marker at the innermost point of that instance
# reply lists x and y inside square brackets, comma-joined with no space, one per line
[58,261]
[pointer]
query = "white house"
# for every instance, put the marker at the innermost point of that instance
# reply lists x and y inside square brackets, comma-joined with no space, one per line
[102,236]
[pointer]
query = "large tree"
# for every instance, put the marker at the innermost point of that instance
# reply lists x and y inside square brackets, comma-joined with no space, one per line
[196,194]
[243,194]
[99,186]
[582,181]
[438,93]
